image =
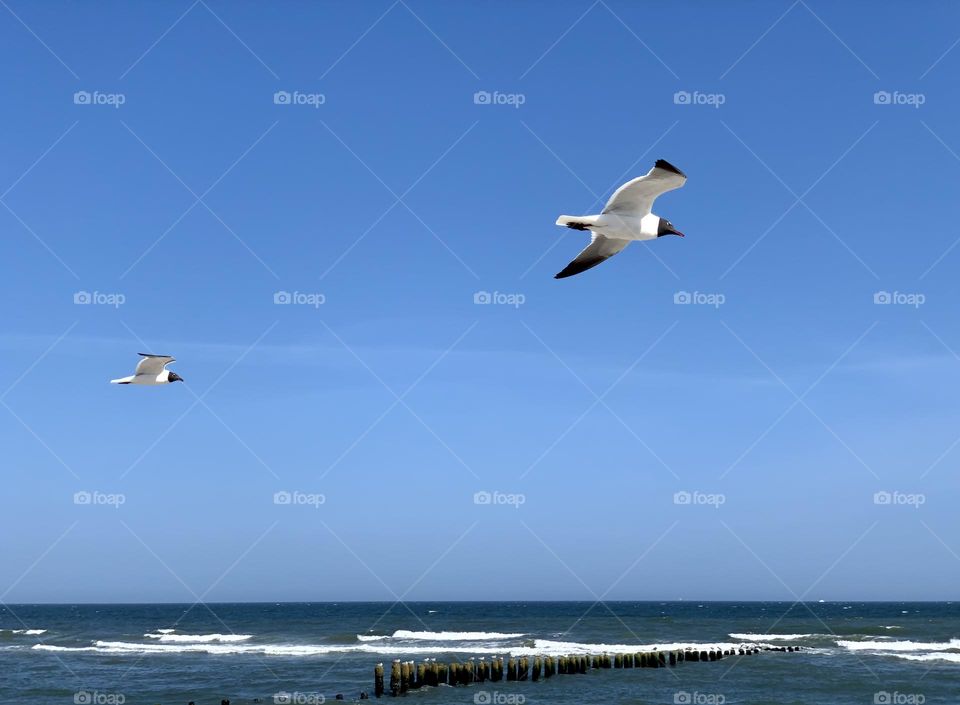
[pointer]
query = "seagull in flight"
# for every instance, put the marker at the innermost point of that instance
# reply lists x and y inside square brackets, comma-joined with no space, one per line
[626,217]
[151,370]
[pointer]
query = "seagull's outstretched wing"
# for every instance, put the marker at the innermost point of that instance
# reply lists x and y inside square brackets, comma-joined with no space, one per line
[599,249]
[153,364]
[636,197]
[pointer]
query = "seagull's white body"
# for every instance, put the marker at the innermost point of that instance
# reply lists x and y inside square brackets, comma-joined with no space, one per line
[162,378]
[626,217]
[617,226]
[150,371]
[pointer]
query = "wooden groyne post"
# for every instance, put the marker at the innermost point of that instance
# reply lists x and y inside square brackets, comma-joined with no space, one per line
[409,675]
[394,678]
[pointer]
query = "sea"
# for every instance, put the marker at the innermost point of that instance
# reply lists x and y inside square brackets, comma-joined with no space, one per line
[870,653]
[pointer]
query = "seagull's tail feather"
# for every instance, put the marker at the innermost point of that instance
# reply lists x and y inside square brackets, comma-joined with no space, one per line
[577,222]
[122,380]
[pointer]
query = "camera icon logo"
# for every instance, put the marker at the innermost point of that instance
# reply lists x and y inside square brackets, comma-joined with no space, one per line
[483,698]
[682,497]
[882,297]
[882,698]
[482,497]
[682,98]
[882,497]
[282,698]
[282,497]
[81,98]
[682,697]
[82,497]
[882,98]
[282,297]
[682,297]
[482,297]
[482,98]
[281,98]
[82,297]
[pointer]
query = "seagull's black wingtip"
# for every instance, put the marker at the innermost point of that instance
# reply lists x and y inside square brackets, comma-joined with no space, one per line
[667,166]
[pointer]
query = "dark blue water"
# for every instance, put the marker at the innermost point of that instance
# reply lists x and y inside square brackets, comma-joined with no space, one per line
[854,653]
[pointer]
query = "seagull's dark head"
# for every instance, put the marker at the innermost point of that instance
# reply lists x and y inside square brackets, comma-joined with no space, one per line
[665,227]
[174,377]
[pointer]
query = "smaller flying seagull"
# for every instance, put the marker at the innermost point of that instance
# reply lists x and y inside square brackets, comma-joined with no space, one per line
[151,370]
[625,218]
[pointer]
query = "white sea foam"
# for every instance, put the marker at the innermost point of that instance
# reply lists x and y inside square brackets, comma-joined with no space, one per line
[548,647]
[124,647]
[166,631]
[540,647]
[442,636]
[770,637]
[26,632]
[936,656]
[900,645]
[166,636]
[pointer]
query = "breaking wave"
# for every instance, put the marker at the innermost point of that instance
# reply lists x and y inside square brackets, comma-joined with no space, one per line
[166,636]
[544,647]
[950,656]
[900,645]
[25,632]
[441,636]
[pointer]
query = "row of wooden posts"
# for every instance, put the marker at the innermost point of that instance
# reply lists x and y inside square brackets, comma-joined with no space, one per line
[409,675]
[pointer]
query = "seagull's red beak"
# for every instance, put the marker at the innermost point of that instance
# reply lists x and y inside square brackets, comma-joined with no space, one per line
[677,232]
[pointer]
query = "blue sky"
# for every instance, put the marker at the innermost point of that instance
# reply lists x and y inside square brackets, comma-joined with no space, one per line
[823,170]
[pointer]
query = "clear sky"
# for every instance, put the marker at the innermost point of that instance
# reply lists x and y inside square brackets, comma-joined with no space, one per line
[182,198]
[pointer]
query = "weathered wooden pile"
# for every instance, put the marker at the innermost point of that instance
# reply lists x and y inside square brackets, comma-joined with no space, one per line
[409,675]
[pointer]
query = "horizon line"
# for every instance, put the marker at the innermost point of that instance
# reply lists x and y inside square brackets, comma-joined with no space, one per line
[5,605]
